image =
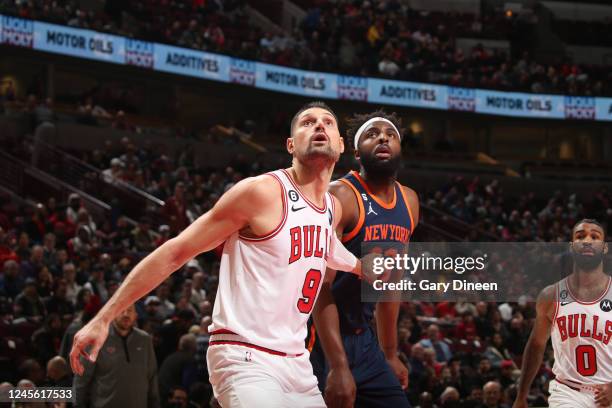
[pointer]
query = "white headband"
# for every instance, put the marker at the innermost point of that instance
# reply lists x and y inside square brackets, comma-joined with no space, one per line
[363,127]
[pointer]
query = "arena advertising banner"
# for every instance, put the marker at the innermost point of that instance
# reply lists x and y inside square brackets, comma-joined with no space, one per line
[79,43]
[181,61]
[242,71]
[16,32]
[184,61]
[603,109]
[407,94]
[295,81]
[519,104]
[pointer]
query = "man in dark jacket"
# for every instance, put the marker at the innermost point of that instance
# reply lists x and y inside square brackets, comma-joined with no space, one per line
[125,373]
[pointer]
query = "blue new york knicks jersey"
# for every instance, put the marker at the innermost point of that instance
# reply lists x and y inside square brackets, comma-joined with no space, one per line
[378,222]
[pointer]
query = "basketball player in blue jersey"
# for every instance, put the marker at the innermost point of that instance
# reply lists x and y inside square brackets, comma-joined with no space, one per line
[352,366]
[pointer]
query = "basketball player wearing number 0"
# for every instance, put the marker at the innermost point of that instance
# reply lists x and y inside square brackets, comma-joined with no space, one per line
[278,230]
[577,313]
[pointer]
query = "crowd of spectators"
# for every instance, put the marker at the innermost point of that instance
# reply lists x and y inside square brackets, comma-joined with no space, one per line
[59,265]
[521,218]
[371,38]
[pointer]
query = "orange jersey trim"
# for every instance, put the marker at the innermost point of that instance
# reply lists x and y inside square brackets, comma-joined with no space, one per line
[407,206]
[387,206]
[352,233]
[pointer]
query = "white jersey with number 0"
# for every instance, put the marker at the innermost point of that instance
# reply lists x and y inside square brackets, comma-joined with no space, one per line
[268,285]
[582,337]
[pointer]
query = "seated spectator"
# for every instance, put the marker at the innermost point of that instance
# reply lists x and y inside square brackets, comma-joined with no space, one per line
[58,302]
[442,350]
[198,293]
[177,397]
[11,281]
[58,373]
[176,210]
[491,395]
[47,339]
[31,266]
[74,205]
[496,352]
[143,238]
[449,398]
[31,371]
[179,368]
[114,172]
[44,282]
[83,244]
[72,287]
[97,284]
[28,304]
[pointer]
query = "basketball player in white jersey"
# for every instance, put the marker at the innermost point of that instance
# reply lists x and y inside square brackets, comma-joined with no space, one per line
[577,313]
[278,234]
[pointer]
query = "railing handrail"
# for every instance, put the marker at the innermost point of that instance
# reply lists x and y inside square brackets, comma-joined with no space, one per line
[458,221]
[54,180]
[117,182]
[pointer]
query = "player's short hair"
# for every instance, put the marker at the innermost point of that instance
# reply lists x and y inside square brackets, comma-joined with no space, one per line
[310,105]
[589,221]
[355,121]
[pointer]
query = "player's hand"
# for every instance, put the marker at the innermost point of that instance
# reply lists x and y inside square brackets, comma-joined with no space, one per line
[87,343]
[400,370]
[340,389]
[367,270]
[603,395]
[520,403]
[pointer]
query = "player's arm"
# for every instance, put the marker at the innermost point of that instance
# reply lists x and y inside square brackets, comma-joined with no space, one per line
[236,209]
[340,258]
[340,388]
[387,312]
[536,345]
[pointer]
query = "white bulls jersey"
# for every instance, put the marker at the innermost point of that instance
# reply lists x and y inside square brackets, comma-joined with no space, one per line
[268,285]
[582,337]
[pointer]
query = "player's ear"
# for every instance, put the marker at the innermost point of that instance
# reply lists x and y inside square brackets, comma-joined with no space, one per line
[605,248]
[290,145]
[356,154]
[341,145]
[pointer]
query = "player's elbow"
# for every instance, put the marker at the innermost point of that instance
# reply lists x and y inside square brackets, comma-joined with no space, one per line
[176,253]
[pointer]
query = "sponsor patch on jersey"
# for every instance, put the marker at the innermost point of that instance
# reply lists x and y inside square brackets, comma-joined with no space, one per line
[606,305]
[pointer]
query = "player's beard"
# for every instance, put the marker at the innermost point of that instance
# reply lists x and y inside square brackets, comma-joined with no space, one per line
[380,169]
[588,262]
[323,155]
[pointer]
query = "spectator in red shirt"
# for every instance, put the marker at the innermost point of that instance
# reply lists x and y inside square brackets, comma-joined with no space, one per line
[176,209]
[466,329]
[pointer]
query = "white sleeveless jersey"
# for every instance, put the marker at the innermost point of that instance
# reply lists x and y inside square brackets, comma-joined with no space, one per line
[582,337]
[268,285]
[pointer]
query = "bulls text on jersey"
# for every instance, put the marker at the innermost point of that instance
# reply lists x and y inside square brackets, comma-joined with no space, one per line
[306,243]
[575,325]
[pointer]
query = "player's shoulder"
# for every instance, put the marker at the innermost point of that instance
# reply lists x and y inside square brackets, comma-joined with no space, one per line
[341,190]
[260,189]
[546,301]
[549,293]
[140,333]
[409,192]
